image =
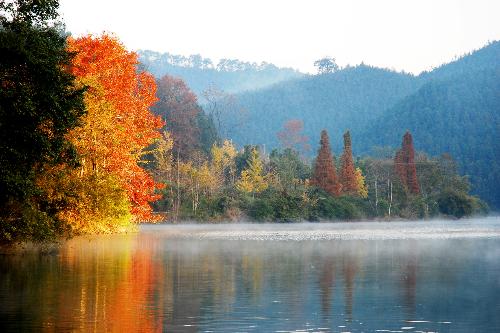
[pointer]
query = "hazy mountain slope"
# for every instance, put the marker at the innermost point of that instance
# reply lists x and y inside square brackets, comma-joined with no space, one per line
[229,75]
[486,58]
[455,109]
[459,115]
[347,99]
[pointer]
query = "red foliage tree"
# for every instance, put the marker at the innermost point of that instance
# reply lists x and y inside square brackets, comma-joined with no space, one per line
[178,106]
[120,97]
[348,171]
[404,165]
[291,136]
[324,175]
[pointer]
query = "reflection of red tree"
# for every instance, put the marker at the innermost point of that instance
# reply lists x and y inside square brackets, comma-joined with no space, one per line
[409,286]
[133,307]
[326,284]
[349,271]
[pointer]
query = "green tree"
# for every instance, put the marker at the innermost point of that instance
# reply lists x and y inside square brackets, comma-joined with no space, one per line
[289,169]
[39,103]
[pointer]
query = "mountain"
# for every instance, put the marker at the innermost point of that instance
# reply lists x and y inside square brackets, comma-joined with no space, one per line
[229,75]
[454,109]
[459,115]
[350,98]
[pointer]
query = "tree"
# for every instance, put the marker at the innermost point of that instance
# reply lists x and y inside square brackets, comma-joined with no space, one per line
[178,107]
[197,181]
[119,124]
[224,109]
[252,179]
[223,162]
[360,180]
[39,103]
[291,136]
[347,170]
[289,170]
[404,164]
[324,175]
[326,65]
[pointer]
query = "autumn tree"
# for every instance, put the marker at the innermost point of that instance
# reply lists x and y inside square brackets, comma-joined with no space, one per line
[178,107]
[404,165]
[253,180]
[347,169]
[223,162]
[197,181]
[324,175]
[39,103]
[360,181]
[119,125]
[291,136]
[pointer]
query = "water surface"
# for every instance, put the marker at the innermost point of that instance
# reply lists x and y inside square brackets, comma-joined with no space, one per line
[350,277]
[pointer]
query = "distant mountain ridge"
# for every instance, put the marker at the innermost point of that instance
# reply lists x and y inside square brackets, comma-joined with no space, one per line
[229,75]
[453,109]
[349,98]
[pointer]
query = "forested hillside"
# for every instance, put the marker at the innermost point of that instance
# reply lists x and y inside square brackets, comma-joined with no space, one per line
[460,116]
[347,99]
[229,75]
[454,108]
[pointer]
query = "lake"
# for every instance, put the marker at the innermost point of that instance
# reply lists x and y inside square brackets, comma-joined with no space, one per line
[426,276]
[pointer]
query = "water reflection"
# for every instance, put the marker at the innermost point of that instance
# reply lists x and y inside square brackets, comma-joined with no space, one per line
[151,283]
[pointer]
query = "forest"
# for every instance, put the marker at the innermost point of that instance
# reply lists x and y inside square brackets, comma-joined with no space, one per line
[452,109]
[90,142]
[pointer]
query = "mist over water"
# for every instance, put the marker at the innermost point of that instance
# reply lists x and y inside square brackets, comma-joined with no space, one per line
[434,229]
[426,276]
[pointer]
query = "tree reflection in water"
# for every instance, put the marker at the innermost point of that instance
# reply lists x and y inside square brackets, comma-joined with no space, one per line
[146,282]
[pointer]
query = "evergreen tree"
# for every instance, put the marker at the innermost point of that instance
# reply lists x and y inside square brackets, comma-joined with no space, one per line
[39,103]
[347,171]
[404,165]
[324,175]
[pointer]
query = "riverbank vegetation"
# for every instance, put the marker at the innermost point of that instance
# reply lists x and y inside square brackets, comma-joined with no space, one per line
[93,143]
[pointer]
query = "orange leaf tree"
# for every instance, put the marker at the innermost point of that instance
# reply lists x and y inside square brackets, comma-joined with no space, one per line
[118,125]
[324,175]
[404,164]
[347,169]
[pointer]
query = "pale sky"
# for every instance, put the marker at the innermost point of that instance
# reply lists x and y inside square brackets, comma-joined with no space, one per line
[410,35]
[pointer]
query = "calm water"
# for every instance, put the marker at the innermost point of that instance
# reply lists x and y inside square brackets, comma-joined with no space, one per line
[356,277]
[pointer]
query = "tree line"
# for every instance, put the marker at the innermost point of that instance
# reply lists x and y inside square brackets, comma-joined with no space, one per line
[91,143]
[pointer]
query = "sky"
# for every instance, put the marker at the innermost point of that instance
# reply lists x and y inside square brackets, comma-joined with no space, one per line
[409,35]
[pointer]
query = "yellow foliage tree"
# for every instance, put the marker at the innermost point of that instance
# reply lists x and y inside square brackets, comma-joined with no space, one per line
[92,200]
[360,181]
[197,180]
[163,157]
[223,162]
[252,179]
